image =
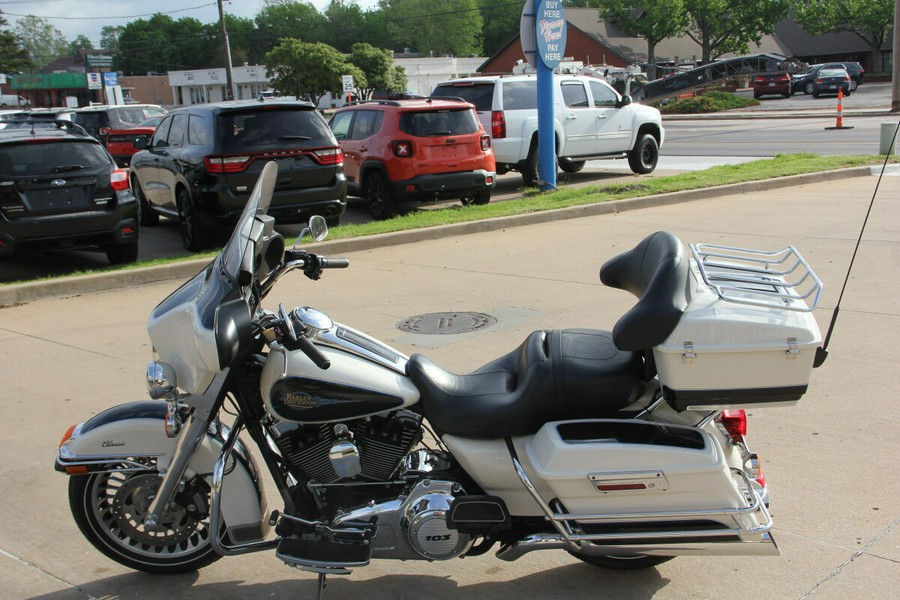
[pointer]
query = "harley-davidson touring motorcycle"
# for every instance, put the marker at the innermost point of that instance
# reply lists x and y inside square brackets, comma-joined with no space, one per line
[624,448]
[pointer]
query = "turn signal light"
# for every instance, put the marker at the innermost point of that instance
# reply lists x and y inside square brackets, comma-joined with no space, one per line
[67,435]
[498,124]
[118,179]
[735,423]
[402,148]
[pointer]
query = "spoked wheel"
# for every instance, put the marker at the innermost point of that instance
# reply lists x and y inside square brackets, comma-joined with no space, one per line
[636,561]
[379,197]
[193,236]
[643,157]
[110,509]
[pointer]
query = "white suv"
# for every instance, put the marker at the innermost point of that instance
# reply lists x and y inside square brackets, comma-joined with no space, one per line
[592,121]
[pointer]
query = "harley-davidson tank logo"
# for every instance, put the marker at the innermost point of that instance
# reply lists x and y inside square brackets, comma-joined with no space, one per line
[299,400]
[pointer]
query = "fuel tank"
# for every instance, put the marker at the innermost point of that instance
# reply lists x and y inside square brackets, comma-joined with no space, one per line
[366,377]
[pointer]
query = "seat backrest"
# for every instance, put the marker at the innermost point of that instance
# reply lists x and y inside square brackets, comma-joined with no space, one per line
[658,273]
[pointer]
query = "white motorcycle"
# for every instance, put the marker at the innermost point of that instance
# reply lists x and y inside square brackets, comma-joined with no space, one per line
[623,448]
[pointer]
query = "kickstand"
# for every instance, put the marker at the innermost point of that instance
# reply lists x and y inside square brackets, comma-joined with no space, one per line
[320,594]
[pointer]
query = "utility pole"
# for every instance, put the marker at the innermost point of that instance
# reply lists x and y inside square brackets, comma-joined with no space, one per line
[895,63]
[229,79]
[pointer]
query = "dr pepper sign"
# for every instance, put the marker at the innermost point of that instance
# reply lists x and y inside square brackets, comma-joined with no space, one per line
[551,31]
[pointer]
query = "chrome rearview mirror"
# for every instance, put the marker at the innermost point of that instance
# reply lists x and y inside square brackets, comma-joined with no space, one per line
[317,229]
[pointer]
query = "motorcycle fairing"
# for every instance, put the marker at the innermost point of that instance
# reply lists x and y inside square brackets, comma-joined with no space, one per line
[552,375]
[135,430]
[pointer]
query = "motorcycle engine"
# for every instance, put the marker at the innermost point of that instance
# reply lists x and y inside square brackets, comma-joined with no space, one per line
[370,448]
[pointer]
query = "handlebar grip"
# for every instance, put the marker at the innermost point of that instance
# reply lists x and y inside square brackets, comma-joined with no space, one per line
[309,349]
[335,263]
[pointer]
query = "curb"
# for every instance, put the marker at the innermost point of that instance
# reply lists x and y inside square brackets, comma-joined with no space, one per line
[72,286]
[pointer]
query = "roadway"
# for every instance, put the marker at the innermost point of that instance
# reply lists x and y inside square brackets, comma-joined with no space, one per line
[777,125]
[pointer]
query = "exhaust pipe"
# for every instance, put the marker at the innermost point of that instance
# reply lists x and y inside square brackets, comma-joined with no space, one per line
[621,546]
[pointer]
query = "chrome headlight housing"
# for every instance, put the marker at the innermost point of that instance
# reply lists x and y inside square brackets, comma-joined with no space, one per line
[161,381]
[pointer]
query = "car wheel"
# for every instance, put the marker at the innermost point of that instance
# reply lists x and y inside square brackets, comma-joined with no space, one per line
[122,254]
[786,94]
[757,96]
[482,197]
[623,562]
[571,166]
[808,89]
[332,222]
[853,85]
[380,197]
[531,172]
[643,157]
[193,236]
[147,217]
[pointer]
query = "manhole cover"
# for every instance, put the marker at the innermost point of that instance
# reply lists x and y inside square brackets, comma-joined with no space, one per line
[446,322]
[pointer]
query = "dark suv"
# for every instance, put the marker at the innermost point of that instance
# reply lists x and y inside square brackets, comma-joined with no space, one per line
[423,149]
[59,188]
[202,162]
[98,120]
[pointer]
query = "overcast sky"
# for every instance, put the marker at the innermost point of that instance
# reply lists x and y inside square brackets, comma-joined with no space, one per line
[88,17]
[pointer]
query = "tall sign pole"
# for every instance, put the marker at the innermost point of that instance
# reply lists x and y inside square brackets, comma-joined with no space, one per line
[229,77]
[550,31]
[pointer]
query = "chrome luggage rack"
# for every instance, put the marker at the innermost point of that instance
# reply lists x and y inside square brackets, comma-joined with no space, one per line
[781,279]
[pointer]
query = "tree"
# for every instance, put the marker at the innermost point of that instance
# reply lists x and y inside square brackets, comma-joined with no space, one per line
[309,70]
[655,21]
[723,26]
[453,27]
[871,20]
[500,24]
[377,67]
[346,25]
[289,19]
[109,37]
[43,42]
[13,55]
[162,44]
[82,42]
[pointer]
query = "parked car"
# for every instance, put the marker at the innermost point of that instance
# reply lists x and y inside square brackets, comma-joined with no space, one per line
[829,81]
[99,120]
[768,84]
[201,163]
[120,142]
[406,150]
[12,100]
[60,189]
[47,114]
[805,82]
[592,121]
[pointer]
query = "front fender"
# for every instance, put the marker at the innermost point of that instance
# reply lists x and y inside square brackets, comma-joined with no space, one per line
[120,437]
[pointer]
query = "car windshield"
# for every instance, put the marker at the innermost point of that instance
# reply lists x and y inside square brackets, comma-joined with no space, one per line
[479,94]
[272,127]
[439,122]
[233,255]
[34,159]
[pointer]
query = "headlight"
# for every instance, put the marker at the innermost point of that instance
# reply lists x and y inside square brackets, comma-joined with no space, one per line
[161,381]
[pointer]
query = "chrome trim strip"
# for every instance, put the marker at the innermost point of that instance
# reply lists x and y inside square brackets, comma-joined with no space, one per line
[332,338]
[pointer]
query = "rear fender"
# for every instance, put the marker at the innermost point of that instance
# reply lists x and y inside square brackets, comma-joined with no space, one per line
[126,433]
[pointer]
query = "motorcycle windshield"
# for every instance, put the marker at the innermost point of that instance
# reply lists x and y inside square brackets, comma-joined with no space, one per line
[237,252]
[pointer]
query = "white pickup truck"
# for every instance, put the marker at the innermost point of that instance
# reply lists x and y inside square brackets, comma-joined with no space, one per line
[592,120]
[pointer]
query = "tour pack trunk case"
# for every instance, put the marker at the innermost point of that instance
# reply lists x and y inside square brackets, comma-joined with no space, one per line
[748,337]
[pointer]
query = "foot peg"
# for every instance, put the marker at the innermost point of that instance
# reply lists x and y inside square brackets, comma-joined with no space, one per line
[324,556]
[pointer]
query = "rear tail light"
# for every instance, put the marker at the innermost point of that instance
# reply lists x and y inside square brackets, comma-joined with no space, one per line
[485,143]
[847,78]
[118,179]
[498,125]
[329,156]
[735,424]
[402,148]
[218,165]
[104,130]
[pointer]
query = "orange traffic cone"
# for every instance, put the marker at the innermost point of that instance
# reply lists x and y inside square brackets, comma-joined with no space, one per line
[840,110]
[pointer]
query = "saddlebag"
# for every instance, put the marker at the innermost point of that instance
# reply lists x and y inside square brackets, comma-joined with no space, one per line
[747,337]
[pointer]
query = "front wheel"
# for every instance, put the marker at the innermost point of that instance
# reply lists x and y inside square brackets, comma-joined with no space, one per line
[479,198]
[809,89]
[636,561]
[146,216]
[122,254]
[110,508]
[571,166]
[853,85]
[643,157]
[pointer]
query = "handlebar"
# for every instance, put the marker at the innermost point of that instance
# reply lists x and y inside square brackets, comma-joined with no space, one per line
[314,354]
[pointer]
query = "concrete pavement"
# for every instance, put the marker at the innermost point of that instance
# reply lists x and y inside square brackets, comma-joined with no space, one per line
[830,460]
